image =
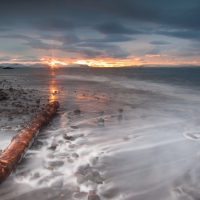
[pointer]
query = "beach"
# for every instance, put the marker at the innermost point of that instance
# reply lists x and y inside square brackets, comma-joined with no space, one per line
[130,133]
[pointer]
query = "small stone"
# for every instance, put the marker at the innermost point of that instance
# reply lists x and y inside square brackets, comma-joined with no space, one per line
[71,146]
[56,173]
[81,135]
[81,179]
[93,160]
[75,155]
[111,193]
[70,160]
[80,195]
[77,112]
[53,146]
[93,197]
[56,163]
[99,182]
[38,101]
[74,127]
[92,192]
[96,174]
[90,177]
[101,121]
[120,110]
[57,184]
[65,136]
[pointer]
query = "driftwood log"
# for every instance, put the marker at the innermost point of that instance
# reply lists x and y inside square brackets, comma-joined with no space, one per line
[23,140]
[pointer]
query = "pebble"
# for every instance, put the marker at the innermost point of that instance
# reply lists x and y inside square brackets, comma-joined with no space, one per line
[93,160]
[101,121]
[75,155]
[80,195]
[57,184]
[81,135]
[120,110]
[111,193]
[77,112]
[93,197]
[81,178]
[53,146]
[56,173]
[56,163]
[74,127]
[65,136]
[90,177]
[35,176]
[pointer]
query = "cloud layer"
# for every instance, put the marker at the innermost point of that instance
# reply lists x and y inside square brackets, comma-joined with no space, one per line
[101,29]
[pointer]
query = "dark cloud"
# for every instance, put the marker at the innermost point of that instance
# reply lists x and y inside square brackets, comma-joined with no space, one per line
[94,28]
[73,44]
[55,25]
[112,38]
[153,51]
[115,28]
[108,50]
[184,34]
[157,42]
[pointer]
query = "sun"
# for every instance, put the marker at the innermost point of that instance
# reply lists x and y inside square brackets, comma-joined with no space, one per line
[52,63]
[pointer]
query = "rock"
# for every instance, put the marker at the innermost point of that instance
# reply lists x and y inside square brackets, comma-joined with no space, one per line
[93,197]
[111,193]
[75,155]
[53,146]
[90,177]
[120,118]
[101,121]
[56,173]
[3,95]
[35,176]
[56,163]
[77,112]
[65,136]
[74,127]
[81,179]
[71,146]
[70,160]
[93,160]
[57,184]
[38,101]
[96,173]
[99,181]
[80,195]
[120,110]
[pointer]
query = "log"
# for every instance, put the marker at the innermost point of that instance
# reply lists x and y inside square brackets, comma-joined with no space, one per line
[23,140]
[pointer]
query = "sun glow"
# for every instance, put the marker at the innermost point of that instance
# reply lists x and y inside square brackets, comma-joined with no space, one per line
[53,62]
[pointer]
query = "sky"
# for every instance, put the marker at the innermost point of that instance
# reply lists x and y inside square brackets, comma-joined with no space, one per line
[104,33]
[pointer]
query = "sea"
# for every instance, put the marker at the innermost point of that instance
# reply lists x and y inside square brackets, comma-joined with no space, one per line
[120,133]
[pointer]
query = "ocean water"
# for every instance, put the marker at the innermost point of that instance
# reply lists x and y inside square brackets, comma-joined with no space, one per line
[137,137]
